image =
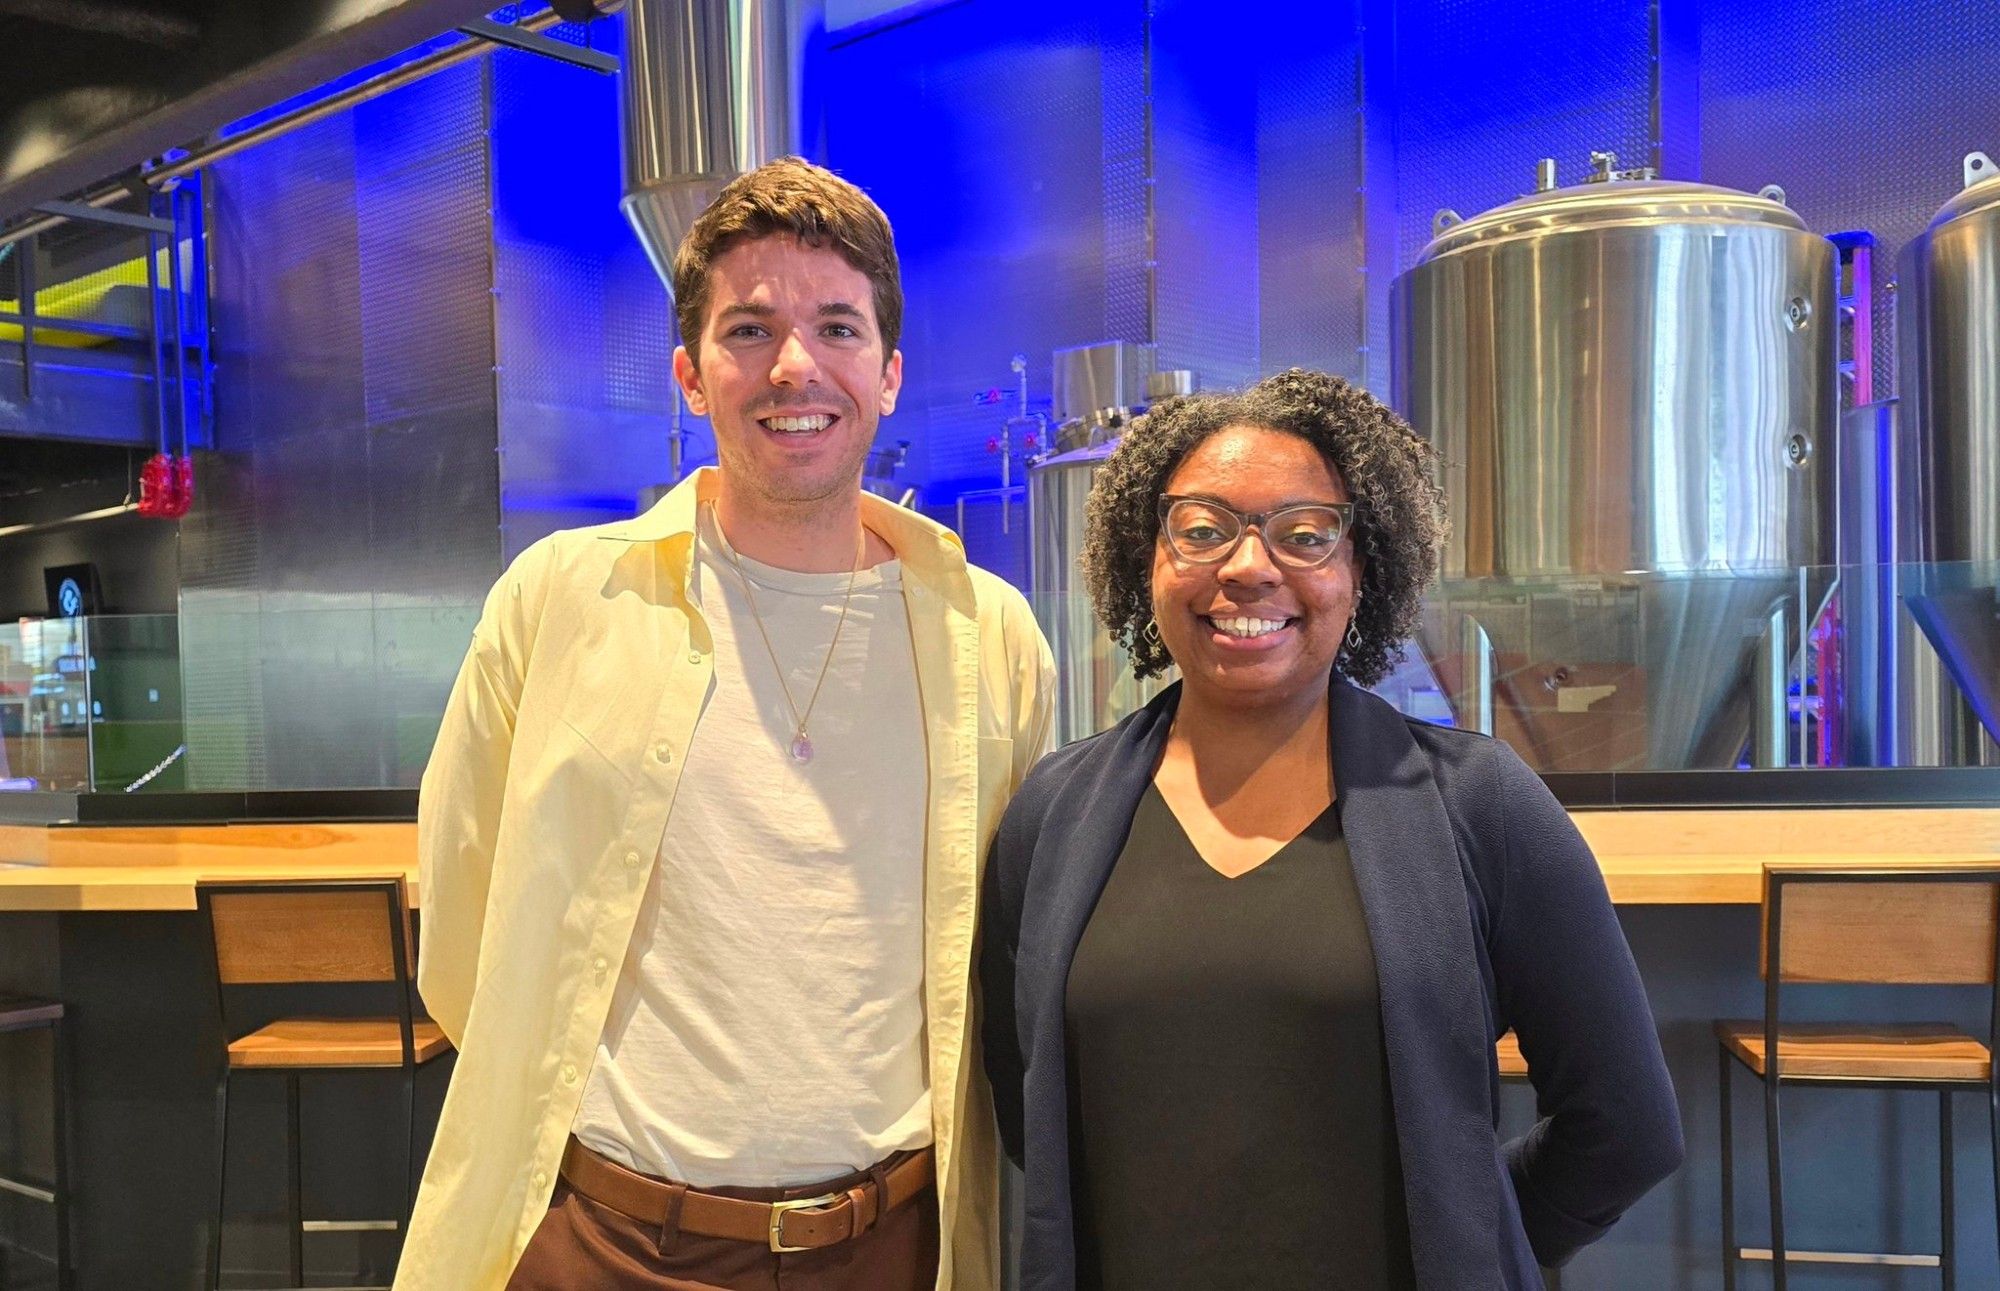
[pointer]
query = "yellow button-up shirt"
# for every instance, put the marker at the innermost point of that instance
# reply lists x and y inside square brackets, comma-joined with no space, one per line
[542,811]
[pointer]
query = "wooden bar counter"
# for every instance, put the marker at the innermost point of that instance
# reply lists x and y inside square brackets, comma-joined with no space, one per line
[156,867]
[1650,856]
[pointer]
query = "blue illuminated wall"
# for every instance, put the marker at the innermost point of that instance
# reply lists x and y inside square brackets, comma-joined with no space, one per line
[998,138]
[583,327]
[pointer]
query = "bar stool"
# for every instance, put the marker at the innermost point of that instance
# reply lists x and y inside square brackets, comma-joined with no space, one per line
[287,933]
[1514,1069]
[1932,924]
[19,1013]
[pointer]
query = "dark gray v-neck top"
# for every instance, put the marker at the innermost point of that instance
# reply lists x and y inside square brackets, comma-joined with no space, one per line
[1230,1121]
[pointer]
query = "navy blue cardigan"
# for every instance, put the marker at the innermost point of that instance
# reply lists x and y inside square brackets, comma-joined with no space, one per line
[1486,911]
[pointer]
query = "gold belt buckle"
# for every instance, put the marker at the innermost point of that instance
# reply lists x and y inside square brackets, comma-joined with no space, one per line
[779,1209]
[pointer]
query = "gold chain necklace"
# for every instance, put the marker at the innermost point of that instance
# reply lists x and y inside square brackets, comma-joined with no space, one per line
[802,747]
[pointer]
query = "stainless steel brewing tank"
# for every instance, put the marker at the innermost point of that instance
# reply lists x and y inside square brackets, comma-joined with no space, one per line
[1631,382]
[1950,299]
[1094,682]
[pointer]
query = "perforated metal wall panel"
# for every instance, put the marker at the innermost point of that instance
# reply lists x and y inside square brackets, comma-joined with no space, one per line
[1122,99]
[1861,112]
[1482,88]
[355,483]
[584,327]
[1310,284]
[420,209]
[983,134]
[1206,210]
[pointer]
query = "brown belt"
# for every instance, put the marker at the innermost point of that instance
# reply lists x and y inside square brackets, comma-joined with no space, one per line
[806,1224]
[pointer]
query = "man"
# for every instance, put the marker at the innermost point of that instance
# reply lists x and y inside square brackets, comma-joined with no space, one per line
[701,836]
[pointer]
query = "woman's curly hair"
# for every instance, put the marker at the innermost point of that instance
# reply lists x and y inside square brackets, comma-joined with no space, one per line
[1399,514]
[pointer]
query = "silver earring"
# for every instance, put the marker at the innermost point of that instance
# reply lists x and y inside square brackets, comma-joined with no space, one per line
[1151,632]
[1353,636]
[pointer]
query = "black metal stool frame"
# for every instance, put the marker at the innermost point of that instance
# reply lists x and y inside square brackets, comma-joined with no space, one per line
[18,1015]
[1774,1078]
[404,989]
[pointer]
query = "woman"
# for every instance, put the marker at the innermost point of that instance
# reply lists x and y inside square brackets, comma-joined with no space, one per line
[1246,953]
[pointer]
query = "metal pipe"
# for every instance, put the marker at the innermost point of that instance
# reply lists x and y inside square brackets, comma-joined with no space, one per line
[1869,648]
[195,198]
[44,222]
[82,517]
[80,326]
[1151,181]
[712,89]
[1807,617]
[89,714]
[28,289]
[153,346]
[319,110]
[1476,649]
[1770,682]
[99,215]
[677,436]
[174,329]
[517,36]
[1020,365]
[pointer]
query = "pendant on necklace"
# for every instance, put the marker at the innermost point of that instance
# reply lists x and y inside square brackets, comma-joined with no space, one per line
[802,748]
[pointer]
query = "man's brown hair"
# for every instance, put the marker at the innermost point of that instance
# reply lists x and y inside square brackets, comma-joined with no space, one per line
[790,196]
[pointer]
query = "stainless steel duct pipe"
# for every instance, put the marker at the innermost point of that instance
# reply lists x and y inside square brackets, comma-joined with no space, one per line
[712,88]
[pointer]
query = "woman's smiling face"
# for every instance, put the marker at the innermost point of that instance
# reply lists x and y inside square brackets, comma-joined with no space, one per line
[1249,629]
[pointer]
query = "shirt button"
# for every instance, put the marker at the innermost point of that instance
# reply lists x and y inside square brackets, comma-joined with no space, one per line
[569,1073]
[694,656]
[631,860]
[541,1179]
[663,753]
[601,965]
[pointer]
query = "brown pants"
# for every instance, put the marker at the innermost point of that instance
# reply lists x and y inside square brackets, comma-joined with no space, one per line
[583,1246]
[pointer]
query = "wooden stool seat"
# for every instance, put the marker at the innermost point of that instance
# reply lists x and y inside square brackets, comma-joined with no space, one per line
[352,933]
[18,1012]
[1824,925]
[336,1042]
[1926,1051]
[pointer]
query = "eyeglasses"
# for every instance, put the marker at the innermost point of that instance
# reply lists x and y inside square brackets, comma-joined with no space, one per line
[1300,537]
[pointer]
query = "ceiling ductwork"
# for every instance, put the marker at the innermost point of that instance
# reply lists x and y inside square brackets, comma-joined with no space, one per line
[96,87]
[712,88]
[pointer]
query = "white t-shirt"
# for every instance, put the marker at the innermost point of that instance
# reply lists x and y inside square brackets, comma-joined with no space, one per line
[768,1024]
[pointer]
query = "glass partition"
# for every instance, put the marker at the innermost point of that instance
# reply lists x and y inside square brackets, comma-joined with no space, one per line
[1850,666]
[346,697]
[1864,665]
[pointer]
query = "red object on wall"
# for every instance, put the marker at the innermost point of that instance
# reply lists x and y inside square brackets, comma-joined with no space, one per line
[156,486]
[166,486]
[183,487]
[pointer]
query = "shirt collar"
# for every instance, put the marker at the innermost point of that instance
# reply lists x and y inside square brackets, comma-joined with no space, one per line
[930,553]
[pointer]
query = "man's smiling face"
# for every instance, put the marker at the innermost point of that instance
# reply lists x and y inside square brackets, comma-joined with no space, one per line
[791,371]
